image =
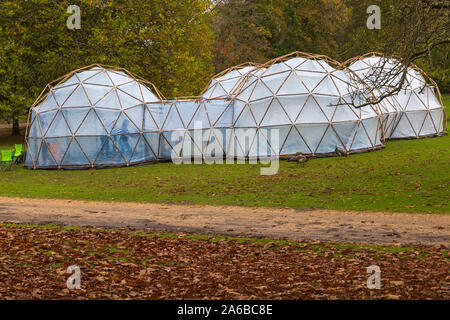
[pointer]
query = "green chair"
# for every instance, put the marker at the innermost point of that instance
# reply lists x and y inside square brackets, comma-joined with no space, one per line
[18,153]
[7,160]
[18,150]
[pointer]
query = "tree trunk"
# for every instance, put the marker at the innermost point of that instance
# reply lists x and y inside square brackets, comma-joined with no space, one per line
[15,127]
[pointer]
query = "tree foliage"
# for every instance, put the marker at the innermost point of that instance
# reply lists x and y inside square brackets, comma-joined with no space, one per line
[178,44]
[415,31]
[165,41]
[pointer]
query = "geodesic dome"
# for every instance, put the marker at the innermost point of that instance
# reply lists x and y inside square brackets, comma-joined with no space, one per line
[416,110]
[92,117]
[306,99]
[223,84]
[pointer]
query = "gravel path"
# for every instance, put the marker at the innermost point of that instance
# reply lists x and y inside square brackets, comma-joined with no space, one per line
[324,225]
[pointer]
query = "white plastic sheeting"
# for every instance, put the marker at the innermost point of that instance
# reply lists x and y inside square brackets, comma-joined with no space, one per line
[413,112]
[104,117]
[307,102]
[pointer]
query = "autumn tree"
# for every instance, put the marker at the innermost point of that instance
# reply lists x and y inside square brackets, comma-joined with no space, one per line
[239,33]
[166,42]
[258,30]
[33,49]
[415,31]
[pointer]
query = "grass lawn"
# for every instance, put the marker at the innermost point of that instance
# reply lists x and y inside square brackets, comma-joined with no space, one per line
[122,263]
[406,176]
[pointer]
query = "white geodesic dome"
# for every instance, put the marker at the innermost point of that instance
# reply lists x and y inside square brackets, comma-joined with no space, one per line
[92,117]
[416,110]
[225,83]
[306,100]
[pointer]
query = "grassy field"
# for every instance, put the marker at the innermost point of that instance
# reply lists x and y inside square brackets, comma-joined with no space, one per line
[406,176]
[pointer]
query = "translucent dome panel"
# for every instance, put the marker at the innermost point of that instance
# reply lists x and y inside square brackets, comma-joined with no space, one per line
[224,85]
[306,101]
[407,114]
[92,119]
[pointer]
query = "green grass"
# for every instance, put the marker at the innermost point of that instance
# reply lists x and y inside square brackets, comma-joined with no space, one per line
[406,176]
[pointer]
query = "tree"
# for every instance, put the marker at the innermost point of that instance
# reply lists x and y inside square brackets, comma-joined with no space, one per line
[414,31]
[27,41]
[167,42]
[258,30]
[304,25]
[239,33]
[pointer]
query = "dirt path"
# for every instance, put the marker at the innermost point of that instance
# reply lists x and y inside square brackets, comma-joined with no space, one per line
[324,225]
